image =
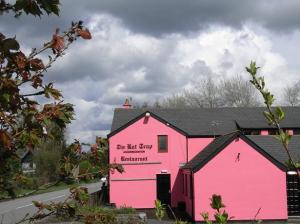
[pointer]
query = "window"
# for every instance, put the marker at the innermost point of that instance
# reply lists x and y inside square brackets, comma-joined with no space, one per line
[251,132]
[273,132]
[296,131]
[162,143]
[255,132]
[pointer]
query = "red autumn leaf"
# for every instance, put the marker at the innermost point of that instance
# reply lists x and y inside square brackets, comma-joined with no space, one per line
[39,117]
[25,75]
[37,64]
[94,148]
[85,34]
[20,60]
[36,81]
[58,42]
[5,139]
[77,147]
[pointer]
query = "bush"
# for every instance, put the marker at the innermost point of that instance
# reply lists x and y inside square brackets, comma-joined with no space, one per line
[131,219]
[160,210]
[95,215]
[122,210]
[31,183]
[85,170]
[125,210]
[47,159]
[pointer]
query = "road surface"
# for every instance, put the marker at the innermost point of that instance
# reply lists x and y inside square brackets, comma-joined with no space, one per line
[14,210]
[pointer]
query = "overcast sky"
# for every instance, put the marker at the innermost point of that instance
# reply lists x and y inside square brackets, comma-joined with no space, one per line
[149,49]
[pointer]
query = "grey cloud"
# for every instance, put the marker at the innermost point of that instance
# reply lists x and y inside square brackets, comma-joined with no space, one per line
[158,17]
[98,75]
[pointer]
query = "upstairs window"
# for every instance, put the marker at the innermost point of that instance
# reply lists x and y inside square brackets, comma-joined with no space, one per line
[251,132]
[273,132]
[255,132]
[162,143]
[296,131]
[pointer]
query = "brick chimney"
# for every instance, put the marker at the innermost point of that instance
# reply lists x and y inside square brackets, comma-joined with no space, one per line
[127,105]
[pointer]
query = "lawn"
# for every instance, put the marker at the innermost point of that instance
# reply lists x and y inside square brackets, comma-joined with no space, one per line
[57,187]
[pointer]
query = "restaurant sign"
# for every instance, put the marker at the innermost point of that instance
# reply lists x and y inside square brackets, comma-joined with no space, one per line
[134,148]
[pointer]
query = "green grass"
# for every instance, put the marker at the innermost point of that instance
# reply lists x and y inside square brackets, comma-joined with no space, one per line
[103,209]
[58,187]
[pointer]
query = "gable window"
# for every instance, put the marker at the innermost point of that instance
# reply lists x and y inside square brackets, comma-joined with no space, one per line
[162,143]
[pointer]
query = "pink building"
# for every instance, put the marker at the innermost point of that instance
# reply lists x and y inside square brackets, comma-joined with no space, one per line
[184,156]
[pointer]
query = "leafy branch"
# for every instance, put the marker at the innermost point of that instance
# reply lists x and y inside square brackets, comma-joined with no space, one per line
[23,122]
[273,115]
[33,7]
[221,216]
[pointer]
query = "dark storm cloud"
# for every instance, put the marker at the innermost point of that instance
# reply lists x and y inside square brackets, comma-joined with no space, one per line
[172,16]
[157,17]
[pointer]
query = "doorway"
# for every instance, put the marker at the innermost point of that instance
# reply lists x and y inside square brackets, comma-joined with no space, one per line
[163,188]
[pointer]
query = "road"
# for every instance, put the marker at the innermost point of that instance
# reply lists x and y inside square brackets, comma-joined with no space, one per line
[14,210]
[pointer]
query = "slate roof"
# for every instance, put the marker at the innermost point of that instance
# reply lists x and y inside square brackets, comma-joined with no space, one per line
[207,121]
[268,146]
[273,147]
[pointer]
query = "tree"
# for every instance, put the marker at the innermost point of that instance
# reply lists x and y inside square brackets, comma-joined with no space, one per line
[23,121]
[206,94]
[47,158]
[209,93]
[48,154]
[178,101]
[292,94]
[237,92]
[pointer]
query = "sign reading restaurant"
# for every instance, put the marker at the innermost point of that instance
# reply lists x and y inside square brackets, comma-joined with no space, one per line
[134,159]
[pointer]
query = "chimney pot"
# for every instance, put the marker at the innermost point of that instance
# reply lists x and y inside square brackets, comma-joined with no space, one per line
[126,104]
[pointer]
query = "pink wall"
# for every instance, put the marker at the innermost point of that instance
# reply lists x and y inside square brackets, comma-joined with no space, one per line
[247,184]
[196,145]
[137,194]
[131,188]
